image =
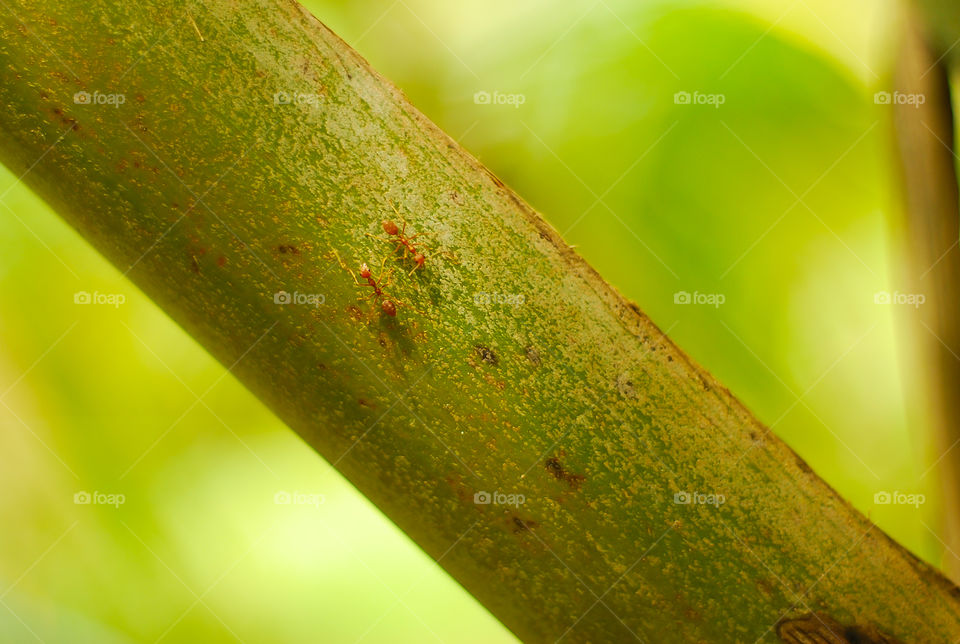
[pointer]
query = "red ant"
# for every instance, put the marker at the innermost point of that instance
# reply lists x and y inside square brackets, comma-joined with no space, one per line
[388,306]
[402,240]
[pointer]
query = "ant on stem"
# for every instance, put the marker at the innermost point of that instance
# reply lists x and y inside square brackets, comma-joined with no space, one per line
[387,305]
[402,241]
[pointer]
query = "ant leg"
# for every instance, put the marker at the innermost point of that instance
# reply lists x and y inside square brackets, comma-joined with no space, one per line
[422,234]
[403,229]
[383,280]
[343,265]
[404,221]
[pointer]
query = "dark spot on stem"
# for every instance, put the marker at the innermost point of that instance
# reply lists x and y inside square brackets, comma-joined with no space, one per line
[559,472]
[523,525]
[486,354]
[818,627]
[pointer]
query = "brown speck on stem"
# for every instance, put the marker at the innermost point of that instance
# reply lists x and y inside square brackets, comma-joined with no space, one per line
[625,386]
[559,472]
[523,525]
[802,464]
[533,355]
[486,354]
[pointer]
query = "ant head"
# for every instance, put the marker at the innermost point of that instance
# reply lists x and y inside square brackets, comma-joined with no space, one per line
[419,259]
[389,308]
[364,270]
[389,227]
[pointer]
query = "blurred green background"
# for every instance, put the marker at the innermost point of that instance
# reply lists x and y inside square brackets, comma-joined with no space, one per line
[783,200]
